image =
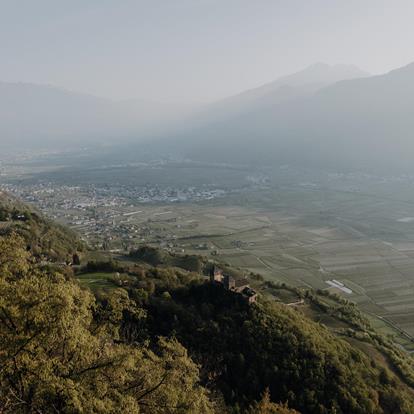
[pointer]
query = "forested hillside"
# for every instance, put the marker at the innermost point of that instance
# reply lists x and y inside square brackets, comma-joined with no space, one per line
[44,238]
[246,349]
[161,339]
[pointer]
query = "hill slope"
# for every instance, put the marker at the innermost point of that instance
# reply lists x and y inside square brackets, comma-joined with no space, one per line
[248,348]
[44,238]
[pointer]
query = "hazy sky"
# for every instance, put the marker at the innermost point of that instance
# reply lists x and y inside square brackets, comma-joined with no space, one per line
[195,50]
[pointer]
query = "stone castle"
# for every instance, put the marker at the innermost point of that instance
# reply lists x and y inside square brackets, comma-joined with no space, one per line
[238,286]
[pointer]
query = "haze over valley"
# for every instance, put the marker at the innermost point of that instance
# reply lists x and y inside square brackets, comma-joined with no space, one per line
[323,116]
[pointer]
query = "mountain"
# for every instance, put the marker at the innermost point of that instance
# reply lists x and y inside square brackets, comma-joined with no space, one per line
[40,116]
[44,116]
[313,77]
[285,88]
[363,123]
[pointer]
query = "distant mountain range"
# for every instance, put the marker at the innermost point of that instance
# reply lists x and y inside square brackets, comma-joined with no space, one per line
[361,123]
[330,116]
[41,115]
[299,84]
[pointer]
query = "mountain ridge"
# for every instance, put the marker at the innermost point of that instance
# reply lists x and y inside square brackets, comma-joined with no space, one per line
[324,128]
[47,116]
[299,84]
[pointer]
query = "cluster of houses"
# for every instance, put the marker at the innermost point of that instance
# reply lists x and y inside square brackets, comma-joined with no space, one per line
[238,286]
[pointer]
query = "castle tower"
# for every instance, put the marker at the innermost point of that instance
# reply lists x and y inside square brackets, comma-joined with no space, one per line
[216,275]
[229,282]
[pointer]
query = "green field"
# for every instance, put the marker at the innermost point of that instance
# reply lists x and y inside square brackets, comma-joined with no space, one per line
[96,281]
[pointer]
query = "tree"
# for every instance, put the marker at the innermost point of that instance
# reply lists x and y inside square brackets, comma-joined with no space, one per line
[266,406]
[76,259]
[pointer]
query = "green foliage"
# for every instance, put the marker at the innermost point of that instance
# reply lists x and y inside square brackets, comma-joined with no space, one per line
[266,406]
[103,266]
[45,239]
[149,255]
[55,356]
[157,257]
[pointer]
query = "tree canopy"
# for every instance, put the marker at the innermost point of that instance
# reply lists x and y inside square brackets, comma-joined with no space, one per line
[54,357]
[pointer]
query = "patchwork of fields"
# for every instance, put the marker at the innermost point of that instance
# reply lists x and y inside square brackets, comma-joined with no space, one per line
[370,260]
